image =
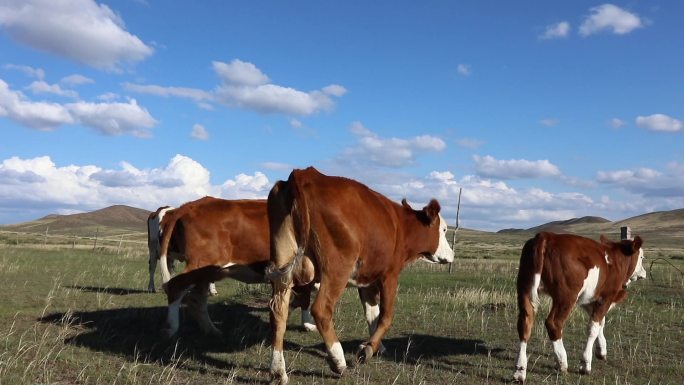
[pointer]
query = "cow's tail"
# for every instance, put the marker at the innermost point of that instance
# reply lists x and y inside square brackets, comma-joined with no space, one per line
[167,226]
[288,217]
[529,273]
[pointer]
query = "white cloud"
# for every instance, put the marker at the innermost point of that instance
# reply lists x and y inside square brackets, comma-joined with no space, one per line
[660,123]
[81,30]
[37,73]
[199,132]
[612,18]
[76,80]
[41,87]
[617,123]
[277,166]
[549,122]
[246,187]
[108,118]
[556,31]
[388,152]
[463,69]
[469,143]
[295,123]
[647,182]
[490,167]
[243,85]
[182,92]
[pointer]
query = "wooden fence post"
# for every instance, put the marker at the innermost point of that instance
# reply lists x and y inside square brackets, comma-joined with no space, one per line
[97,231]
[453,238]
[46,235]
[119,248]
[625,233]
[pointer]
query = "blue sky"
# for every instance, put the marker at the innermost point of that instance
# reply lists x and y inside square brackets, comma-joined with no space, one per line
[540,111]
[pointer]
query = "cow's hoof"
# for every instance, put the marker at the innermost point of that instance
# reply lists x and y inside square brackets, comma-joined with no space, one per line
[337,367]
[584,369]
[601,356]
[364,353]
[520,374]
[279,378]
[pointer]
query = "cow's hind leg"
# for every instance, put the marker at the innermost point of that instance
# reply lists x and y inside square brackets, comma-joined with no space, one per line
[554,326]
[526,310]
[388,292]
[280,300]
[152,267]
[602,347]
[330,291]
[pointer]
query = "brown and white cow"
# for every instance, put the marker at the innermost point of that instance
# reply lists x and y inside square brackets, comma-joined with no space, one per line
[339,232]
[573,270]
[217,238]
[154,234]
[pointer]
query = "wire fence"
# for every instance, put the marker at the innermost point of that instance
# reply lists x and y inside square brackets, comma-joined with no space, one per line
[116,243]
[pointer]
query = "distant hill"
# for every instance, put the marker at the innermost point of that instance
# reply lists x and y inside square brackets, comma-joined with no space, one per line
[655,227]
[112,219]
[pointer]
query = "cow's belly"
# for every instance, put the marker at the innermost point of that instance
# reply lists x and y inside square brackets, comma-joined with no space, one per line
[588,291]
[244,273]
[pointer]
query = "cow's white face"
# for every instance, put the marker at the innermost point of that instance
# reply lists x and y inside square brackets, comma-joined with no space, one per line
[639,271]
[444,253]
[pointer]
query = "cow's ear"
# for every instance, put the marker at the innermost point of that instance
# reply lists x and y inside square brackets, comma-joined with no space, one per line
[405,204]
[637,243]
[604,240]
[432,211]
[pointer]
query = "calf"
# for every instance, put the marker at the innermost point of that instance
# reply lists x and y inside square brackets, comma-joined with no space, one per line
[573,270]
[337,231]
[217,238]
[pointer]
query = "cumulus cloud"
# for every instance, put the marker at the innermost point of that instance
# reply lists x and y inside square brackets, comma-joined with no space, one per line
[109,118]
[199,132]
[37,73]
[41,87]
[243,85]
[556,31]
[660,123]
[246,187]
[81,30]
[647,182]
[76,80]
[388,152]
[617,123]
[463,69]
[609,17]
[490,167]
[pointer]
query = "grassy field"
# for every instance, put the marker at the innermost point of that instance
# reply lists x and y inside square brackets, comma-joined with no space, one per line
[70,316]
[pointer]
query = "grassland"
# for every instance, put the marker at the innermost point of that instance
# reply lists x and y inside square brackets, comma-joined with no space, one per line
[81,316]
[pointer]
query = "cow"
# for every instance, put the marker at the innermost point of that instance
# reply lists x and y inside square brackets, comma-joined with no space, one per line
[339,232]
[573,270]
[154,227]
[217,238]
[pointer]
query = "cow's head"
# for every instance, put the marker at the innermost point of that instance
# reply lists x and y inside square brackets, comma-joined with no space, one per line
[439,250]
[635,253]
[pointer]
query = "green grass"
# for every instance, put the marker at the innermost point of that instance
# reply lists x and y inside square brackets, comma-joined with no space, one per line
[83,317]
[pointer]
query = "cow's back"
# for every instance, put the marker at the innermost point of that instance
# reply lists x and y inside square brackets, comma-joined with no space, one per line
[225,230]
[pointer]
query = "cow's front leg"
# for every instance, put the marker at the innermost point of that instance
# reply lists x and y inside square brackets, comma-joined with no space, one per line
[197,306]
[388,292]
[370,299]
[602,347]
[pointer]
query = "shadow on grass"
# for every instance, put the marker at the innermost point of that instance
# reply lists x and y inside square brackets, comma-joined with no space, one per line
[136,333]
[108,290]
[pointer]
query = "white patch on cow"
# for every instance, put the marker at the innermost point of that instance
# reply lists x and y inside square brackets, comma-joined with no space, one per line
[212,289]
[228,265]
[352,277]
[602,345]
[607,260]
[308,322]
[588,290]
[521,364]
[594,329]
[444,252]
[278,366]
[337,356]
[534,293]
[561,355]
